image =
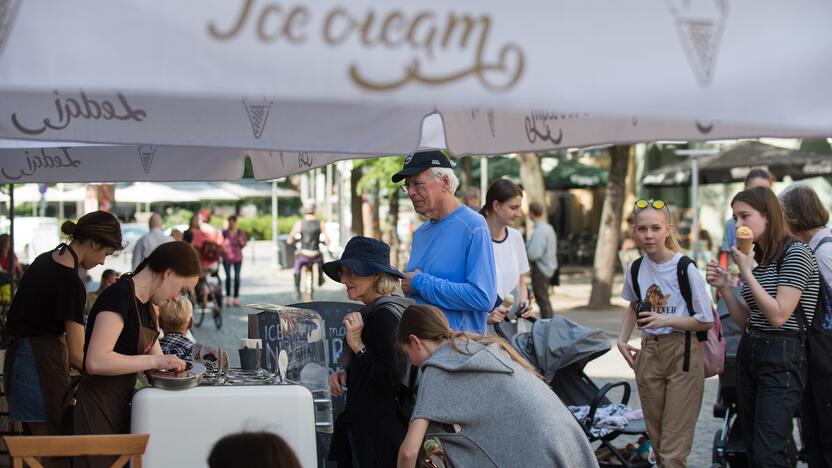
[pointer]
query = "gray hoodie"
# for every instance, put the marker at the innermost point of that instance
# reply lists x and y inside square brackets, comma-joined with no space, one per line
[507,416]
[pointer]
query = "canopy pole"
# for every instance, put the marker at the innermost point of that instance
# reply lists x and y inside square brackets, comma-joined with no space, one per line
[11,237]
[694,194]
[328,193]
[275,243]
[694,197]
[60,204]
[483,177]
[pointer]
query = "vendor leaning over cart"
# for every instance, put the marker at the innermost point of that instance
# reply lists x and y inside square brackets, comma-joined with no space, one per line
[122,339]
[46,322]
[452,262]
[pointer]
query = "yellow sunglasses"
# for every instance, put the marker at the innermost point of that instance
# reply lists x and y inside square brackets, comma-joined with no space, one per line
[656,204]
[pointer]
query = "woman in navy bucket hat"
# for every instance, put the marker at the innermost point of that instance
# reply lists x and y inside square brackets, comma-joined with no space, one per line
[371,428]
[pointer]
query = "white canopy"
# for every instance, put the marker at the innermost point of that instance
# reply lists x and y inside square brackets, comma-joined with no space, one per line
[150,192]
[358,77]
[29,193]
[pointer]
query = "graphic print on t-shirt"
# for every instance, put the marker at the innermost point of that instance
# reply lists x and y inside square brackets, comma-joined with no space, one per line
[658,301]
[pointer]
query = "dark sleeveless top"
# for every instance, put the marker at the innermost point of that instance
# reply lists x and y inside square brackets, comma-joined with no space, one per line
[310,234]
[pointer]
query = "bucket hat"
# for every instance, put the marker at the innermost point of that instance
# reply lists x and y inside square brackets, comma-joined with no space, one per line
[364,256]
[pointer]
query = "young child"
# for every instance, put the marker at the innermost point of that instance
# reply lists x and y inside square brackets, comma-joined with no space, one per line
[669,368]
[176,318]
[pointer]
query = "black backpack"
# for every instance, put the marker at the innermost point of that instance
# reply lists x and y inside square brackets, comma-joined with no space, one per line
[687,295]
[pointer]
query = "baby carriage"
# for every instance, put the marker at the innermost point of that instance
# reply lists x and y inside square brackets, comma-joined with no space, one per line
[560,349]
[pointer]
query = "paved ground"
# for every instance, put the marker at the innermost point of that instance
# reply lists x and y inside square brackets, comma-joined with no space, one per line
[262,282]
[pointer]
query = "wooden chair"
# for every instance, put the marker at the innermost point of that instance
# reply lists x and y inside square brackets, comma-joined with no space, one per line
[126,446]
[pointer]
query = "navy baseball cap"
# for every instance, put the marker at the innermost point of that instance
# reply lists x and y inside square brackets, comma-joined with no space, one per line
[421,161]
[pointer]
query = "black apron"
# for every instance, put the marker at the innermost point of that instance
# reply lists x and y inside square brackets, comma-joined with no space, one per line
[103,401]
[52,363]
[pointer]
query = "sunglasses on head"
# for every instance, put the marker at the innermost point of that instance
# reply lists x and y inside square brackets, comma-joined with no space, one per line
[656,204]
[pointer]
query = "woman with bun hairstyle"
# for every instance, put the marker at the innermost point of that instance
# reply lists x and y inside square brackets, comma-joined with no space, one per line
[122,337]
[781,283]
[471,386]
[46,322]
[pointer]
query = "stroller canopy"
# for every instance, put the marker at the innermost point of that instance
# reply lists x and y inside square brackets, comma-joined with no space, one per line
[558,342]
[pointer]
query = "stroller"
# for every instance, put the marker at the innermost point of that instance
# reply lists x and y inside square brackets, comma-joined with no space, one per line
[728,447]
[560,349]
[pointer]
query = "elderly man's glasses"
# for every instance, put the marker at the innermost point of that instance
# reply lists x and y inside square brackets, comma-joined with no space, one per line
[417,186]
[656,204]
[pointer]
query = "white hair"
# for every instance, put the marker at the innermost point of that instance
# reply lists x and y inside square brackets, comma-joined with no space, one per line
[453,180]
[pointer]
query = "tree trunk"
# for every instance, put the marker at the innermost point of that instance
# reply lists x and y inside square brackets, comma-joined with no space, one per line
[531,176]
[357,226]
[465,178]
[394,228]
[606,250]
[375,198]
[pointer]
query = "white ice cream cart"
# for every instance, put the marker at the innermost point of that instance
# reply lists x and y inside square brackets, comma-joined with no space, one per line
[184,425]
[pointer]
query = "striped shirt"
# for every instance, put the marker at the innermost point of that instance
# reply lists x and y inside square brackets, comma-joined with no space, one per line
[799,271]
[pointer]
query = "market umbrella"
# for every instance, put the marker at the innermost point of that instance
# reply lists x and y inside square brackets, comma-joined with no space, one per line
[570,174]
[559,172]
[359,77]
[733,164]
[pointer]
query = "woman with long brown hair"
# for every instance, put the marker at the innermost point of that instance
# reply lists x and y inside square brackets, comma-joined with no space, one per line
[501,210]
[122,333]
[476,390]
[46,322]
[781,283]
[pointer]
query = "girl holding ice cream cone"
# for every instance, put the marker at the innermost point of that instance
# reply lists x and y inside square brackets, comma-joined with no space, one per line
[780,282]
[501,210]
[669,367]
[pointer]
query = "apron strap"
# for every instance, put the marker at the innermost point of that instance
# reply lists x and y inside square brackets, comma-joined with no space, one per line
[63,247]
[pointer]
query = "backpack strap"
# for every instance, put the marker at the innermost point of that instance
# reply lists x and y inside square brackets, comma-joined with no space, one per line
[634,267]
[825,240]
[687,294]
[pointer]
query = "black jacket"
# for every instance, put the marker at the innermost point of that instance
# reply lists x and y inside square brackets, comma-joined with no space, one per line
[371,427]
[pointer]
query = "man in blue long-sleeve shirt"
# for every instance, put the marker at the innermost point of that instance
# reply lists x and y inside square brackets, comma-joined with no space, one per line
[452,262]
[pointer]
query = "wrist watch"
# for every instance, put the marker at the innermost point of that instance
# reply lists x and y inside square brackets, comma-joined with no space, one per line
[361,352]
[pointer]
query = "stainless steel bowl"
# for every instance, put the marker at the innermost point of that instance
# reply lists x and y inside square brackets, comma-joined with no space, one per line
[168,380]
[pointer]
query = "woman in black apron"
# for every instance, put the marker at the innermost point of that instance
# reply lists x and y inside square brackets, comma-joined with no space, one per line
[46,325]
[122,333]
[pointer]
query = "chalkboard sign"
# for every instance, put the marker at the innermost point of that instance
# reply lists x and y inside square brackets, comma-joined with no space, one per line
[269,329]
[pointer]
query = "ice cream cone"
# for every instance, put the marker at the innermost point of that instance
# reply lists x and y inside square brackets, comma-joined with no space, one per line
[745,239]
[508,301]
[745,245]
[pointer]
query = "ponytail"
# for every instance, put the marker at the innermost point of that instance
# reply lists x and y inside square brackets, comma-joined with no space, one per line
[427,322]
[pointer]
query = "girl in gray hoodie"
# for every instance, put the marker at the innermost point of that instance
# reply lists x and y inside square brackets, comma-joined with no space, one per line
[483,402]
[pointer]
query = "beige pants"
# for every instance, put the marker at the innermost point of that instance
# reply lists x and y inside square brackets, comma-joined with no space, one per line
[670,397]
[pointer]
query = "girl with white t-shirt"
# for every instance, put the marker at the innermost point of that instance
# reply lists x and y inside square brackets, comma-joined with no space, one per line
[501,210]
[668,367]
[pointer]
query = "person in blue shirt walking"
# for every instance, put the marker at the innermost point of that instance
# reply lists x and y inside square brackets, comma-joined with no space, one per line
[452,261]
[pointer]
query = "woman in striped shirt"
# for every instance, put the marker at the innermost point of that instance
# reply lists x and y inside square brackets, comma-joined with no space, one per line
[771,358]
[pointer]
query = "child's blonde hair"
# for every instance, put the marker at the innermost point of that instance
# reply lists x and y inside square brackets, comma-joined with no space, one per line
[670,241]
[174,315]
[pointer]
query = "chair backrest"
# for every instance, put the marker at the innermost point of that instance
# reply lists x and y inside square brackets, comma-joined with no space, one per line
[126,446]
